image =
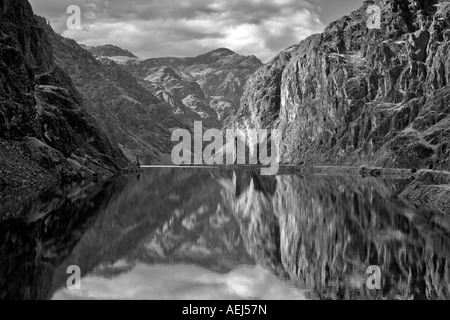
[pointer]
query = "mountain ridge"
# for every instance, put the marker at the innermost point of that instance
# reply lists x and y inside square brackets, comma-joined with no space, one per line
[179,96]
[109,50]
[221,75]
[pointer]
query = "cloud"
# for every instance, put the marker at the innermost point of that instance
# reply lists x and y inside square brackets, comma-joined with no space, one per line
[154,28]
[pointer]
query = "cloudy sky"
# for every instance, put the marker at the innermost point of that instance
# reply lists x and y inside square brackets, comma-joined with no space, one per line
[158,28]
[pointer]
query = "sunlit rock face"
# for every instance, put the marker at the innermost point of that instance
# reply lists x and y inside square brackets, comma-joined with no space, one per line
[327,231]
[354,95]
[45,133]
[206,88]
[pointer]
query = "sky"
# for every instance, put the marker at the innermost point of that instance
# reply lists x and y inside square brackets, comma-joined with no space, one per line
[185,28]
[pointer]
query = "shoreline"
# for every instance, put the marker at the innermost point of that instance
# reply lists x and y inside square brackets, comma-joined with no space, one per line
[290,169]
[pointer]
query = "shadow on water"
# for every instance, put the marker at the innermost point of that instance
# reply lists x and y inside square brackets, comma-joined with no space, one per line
[220,234]
[39,235]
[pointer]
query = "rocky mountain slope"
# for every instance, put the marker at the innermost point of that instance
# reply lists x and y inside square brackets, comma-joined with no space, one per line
[206,88]
[128,112]
[45,133]
[354,95]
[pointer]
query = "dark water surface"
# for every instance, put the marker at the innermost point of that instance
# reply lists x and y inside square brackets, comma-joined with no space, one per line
[218,234]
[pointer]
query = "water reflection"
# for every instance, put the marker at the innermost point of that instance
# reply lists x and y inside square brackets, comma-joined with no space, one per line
[219,234]
[326,232]
[184,282]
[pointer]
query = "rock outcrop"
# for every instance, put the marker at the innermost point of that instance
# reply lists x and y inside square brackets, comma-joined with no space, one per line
[45,134]
[354,95]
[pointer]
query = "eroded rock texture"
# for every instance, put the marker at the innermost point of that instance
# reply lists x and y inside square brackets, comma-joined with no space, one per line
[354,95]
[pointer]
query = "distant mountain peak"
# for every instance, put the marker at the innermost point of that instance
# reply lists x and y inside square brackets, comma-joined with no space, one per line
[110,50]
[225,51]
[166,72]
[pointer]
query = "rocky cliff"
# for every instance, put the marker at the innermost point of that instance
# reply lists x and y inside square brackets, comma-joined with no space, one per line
[206,88]
[354,95]
[45,134]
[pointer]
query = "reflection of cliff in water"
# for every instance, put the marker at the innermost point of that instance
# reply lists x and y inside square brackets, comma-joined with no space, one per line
[326,231]
[163,216]
[167,217]
[322,232]
[39,235]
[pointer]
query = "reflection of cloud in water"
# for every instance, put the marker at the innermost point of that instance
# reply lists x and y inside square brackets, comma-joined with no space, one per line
[185,282]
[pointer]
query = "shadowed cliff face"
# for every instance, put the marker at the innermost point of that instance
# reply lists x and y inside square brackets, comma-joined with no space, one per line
[353,95]
[43,130]
[326,232]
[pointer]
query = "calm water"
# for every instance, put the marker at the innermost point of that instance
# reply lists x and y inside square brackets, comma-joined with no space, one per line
[219,234]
